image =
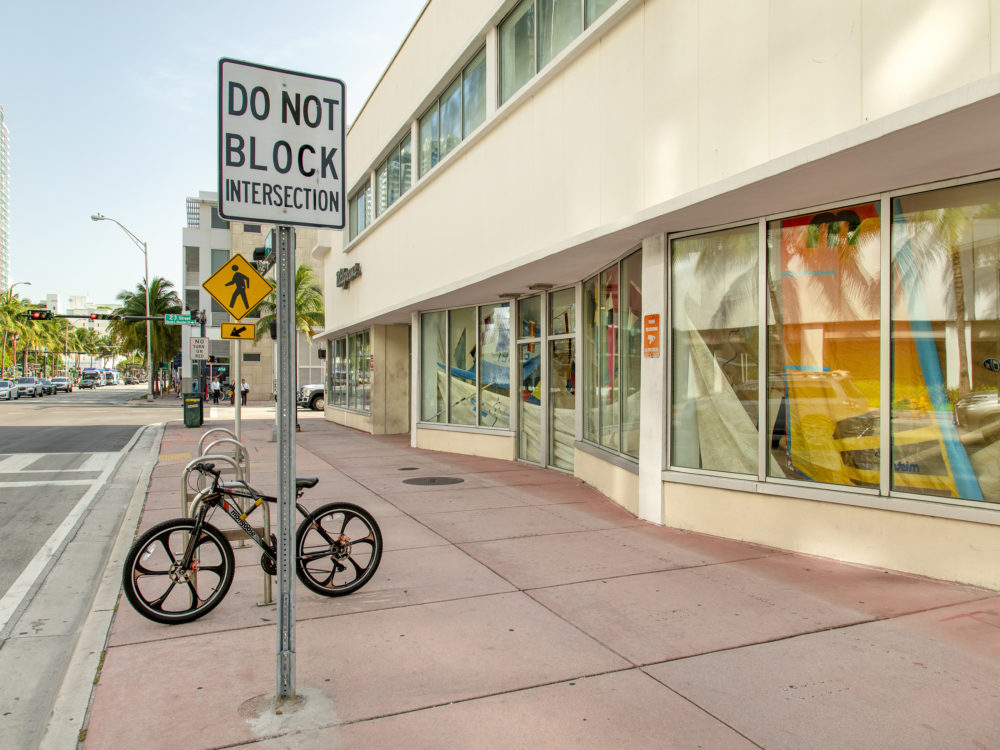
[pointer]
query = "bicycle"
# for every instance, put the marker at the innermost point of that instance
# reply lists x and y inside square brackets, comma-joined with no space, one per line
[181,569]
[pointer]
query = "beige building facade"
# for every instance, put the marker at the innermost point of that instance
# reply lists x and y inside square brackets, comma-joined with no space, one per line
[735,264]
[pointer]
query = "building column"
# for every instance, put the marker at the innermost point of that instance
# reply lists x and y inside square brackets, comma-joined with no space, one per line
[653,420]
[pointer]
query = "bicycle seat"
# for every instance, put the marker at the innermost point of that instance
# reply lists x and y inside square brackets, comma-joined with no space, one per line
[306,482]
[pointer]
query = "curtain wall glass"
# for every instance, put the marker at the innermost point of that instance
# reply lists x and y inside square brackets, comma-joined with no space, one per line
[474,94]
[451,117]
[429,142]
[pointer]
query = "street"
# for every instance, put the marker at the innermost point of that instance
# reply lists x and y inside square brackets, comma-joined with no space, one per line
[69,466]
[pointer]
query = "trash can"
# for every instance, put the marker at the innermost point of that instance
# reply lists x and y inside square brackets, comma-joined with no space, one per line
[192,410]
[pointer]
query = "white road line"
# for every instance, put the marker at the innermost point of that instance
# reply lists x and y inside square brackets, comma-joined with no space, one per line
[22,586]
[18,461]
[56,482]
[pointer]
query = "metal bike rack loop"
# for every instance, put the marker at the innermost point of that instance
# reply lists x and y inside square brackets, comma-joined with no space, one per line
[204,437]
[240,454]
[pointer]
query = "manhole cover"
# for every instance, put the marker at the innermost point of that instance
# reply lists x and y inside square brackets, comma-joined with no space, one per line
[408,468]
[433,480]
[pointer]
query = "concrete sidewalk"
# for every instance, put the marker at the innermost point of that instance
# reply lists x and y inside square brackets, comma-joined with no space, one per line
[520,608]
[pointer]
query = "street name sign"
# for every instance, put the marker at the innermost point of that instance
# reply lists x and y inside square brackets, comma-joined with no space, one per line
[174,320]
[237,286]
[199,347]
[281,146]
[239,331]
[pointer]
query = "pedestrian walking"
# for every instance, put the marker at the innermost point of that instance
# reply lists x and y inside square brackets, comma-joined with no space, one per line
[215,390]
[244,390]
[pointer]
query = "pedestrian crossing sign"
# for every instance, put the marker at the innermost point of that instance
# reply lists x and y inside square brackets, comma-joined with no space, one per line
[237,286]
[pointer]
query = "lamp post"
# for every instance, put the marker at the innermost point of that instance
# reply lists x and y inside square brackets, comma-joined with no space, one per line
[149,342]
[13,354]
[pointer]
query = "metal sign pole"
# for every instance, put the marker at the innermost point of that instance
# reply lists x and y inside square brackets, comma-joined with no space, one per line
[237,388]
[285,278]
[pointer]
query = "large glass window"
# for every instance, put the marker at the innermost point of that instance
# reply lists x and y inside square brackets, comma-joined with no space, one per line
[494,365]
[612,333]
[465,366]
[714,360]
[433,380]
[474,94]
[462,365]
[594,8]
[517,49]
[946,342]
[559,23]
[359,210]
[359,372]
[451,117]
[338,372]
[823,345]
[429,143]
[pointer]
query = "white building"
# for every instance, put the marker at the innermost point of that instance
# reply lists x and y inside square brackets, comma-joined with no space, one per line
[209,242]
[734,264]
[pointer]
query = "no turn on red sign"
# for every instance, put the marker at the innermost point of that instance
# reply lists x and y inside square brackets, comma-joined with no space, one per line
[281,146]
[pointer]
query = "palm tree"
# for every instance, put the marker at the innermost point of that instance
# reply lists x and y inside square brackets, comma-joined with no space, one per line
[308,304]
[164,339]
[12,310]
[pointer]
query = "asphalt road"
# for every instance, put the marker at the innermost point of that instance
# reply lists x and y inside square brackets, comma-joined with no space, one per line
[69,465]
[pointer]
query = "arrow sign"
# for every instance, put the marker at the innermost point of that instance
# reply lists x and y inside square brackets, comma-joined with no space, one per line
[239,331]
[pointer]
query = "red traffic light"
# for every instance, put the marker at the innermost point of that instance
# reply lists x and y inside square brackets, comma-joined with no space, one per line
[40,314]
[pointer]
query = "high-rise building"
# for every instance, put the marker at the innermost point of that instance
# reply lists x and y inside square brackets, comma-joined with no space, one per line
[4,205]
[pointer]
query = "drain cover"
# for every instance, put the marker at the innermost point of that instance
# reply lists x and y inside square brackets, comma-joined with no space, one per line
[408,468]
[433,480]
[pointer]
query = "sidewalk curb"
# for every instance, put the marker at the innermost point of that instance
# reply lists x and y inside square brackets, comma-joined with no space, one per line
[71,710]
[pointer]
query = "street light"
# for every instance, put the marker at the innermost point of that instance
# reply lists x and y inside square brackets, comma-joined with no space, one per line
[13,354]
[149,347]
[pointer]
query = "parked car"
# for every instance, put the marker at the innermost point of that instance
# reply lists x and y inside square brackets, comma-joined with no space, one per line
[129,380]
[48,387]
[8,390]
[977,410]
[30,386]
[312,396]
[89,382]
[63,384]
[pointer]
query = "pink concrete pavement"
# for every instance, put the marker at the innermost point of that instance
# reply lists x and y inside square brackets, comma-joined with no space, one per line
[520,608]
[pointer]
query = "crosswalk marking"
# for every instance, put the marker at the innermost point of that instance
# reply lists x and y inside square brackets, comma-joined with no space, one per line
[18,463]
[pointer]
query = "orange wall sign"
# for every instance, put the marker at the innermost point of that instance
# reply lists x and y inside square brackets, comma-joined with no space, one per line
[651,335]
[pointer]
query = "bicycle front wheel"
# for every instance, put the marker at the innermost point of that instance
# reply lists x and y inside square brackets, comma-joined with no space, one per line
[338,548]
[161,588]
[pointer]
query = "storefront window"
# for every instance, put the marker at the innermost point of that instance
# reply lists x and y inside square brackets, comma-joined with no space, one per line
[434,385]
[612,314]
[338,373]
[517,49]
[359,372]
[462,365]
[465,366]
[494,365]
[714,360]
[946,343]
[631,352]
[823,346]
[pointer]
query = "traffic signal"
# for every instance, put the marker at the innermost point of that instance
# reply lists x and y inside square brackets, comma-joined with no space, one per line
[39,314]
[211,358]
[99,316]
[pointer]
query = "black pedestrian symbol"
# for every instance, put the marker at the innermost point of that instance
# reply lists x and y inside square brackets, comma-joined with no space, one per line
[240,281]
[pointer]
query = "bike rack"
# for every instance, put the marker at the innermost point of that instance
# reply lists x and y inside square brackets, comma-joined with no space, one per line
[204,437]
[240,454]
[189,505]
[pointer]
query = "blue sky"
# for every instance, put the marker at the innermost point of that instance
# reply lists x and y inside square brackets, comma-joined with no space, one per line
[111,108]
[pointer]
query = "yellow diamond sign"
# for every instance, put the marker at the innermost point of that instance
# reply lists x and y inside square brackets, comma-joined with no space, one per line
[237,286]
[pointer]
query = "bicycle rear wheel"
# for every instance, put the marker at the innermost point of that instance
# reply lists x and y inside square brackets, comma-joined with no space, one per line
[338,548]
[163,590]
